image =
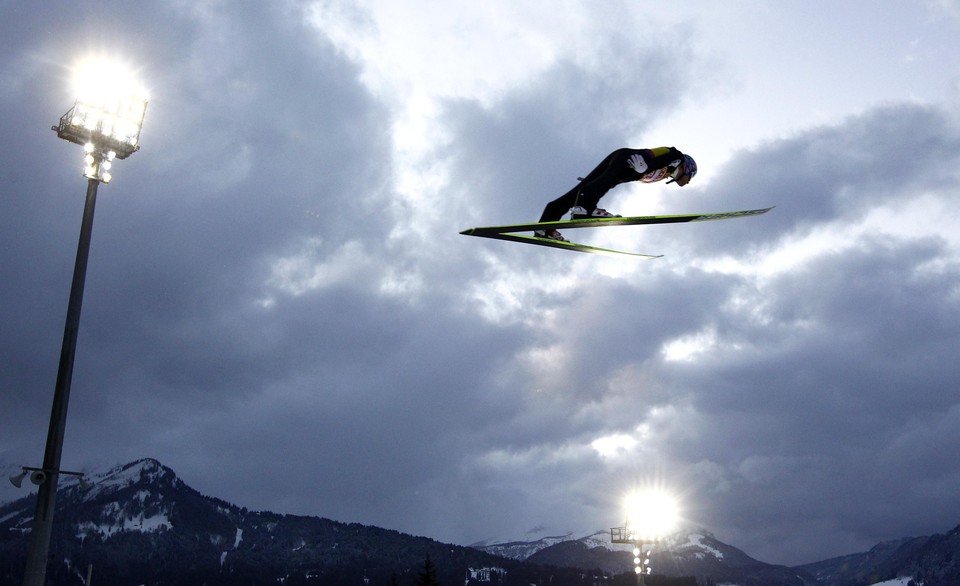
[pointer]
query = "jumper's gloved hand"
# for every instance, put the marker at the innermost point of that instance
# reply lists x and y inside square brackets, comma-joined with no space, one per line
[637,163]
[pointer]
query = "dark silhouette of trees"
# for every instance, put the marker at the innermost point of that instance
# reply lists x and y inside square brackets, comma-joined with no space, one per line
[428,575]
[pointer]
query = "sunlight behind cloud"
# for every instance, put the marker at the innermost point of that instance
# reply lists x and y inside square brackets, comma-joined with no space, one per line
[505,296]
[392,56]
[310,269]
[614,444]
[531,458]
[499,46]
[687,348]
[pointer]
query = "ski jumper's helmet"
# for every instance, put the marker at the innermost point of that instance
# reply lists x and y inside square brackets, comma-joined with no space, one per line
[684,171]
[689,166]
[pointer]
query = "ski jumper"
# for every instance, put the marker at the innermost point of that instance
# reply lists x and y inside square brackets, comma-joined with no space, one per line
[621,166]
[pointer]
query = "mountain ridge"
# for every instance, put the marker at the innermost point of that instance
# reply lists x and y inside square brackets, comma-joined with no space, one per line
[140,522]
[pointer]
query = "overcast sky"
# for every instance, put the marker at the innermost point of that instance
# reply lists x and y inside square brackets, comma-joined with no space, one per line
[280,308]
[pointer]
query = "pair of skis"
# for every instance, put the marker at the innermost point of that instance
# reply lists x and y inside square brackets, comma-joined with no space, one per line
[509,232]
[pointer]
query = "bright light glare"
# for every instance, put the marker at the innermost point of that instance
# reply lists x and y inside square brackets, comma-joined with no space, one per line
[105,82]
[110,101]
[651,514]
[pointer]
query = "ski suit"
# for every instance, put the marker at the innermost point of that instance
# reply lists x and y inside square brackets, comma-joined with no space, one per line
[621,166]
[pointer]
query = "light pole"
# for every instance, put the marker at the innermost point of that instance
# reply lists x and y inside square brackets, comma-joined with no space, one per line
[641,558]
[107,123]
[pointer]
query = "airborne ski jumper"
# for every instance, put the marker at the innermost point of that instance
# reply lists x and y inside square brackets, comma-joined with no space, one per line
[621,166]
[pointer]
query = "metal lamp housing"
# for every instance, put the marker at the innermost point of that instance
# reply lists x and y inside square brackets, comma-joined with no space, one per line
[107,128]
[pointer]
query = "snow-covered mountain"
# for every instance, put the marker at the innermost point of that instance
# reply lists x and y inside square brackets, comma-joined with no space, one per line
[690,552]
[140,523]
[522,550]
[143,511]
[691,540]
[916,561]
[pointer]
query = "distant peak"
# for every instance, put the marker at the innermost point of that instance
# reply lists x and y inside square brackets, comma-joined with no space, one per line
[147,464]
[140,468]
[138,472]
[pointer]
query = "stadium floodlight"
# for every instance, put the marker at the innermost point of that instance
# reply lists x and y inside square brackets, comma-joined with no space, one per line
[106,120]
[651,516]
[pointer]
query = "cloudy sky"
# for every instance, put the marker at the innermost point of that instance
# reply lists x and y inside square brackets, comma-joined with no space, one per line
[279,305]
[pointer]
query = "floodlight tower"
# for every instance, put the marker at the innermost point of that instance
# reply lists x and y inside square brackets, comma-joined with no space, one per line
[106,120]
[641,557]
[650,516]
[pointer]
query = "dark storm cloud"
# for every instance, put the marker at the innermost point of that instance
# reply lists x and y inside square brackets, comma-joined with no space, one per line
[824,377]
[258,147]
[265,313]
[861,341]
[890,154]
[254,136]
[817,379]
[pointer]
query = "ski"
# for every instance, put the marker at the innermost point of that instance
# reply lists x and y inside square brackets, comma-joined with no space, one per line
[507,232]
[627,221]
[561,244]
